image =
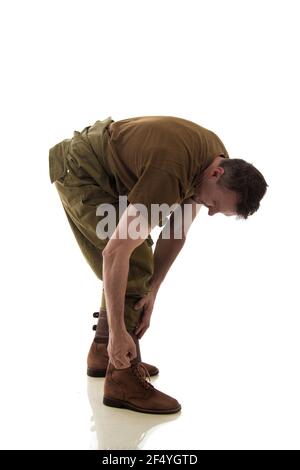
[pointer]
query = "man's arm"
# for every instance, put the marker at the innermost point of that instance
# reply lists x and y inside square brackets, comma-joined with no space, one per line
[167,249]
[116,257]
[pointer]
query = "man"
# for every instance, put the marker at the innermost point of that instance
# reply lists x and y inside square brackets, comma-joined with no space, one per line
[150,160]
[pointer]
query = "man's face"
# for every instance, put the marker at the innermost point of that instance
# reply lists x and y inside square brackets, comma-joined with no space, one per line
[213,196]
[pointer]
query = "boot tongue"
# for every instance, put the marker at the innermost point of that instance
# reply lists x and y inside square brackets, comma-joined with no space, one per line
[142,374]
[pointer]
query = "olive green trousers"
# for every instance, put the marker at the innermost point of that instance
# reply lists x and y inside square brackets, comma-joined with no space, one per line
[80,194]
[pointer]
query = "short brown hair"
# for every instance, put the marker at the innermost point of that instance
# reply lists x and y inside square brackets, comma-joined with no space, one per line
[243,178]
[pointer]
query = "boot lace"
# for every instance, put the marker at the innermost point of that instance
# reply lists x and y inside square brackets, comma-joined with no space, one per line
[142,374]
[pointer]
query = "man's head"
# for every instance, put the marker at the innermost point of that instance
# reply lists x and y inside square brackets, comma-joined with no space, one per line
[230,186]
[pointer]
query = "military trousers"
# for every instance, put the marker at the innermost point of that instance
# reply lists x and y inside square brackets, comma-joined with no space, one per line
[80,194]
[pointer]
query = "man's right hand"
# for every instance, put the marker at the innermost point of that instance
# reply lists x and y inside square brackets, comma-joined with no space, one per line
[121,349]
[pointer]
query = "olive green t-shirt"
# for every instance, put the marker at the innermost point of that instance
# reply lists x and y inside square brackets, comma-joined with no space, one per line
[155,159]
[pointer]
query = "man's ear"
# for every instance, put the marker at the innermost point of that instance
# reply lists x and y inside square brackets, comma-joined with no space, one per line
[218,171]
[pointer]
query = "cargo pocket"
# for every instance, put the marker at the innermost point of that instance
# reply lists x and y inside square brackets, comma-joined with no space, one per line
[57,161]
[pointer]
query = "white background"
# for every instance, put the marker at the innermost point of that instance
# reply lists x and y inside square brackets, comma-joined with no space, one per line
[225,328]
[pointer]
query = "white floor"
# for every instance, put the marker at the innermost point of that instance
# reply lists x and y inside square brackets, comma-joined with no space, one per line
[222,407]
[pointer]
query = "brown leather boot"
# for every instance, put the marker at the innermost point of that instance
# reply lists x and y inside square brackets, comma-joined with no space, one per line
[129,388]
[97,360]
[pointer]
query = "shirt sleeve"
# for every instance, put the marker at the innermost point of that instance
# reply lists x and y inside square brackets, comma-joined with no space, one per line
[156,187]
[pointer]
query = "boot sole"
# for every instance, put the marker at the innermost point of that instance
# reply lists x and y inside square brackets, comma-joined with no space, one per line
[102,373]
[96,372]
[124,404]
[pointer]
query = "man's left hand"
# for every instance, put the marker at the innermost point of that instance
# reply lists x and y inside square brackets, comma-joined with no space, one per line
[147,301]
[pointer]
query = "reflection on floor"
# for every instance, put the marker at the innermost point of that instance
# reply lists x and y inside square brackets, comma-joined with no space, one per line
[117,428]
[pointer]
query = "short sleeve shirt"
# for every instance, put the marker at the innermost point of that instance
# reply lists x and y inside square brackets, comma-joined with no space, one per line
[155,159]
